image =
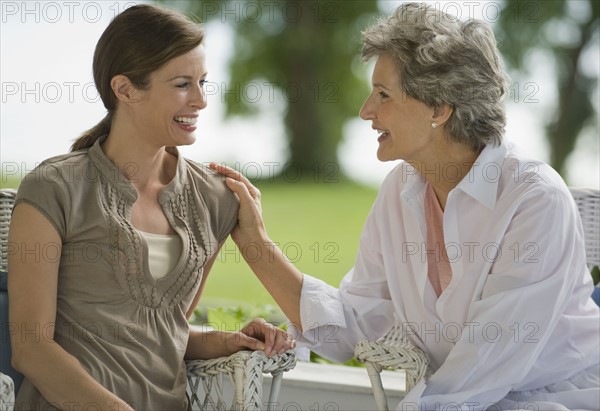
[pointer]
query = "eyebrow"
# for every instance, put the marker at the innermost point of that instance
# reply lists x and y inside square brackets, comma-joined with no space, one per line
[186,77]
[381,86]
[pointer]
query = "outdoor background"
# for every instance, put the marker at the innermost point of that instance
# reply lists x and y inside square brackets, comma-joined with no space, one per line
[286,84]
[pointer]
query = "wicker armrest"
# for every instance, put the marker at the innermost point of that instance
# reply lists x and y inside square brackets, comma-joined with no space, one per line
[392,351]
[399,356]
[245,370]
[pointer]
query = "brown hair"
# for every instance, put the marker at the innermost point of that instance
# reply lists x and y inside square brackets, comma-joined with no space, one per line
[136,43]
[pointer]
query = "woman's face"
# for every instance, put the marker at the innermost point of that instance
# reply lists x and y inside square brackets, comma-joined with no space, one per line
[166,113]
[403,123]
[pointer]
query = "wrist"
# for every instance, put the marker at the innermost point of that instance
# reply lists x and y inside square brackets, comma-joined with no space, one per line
[258,248]
[243,239]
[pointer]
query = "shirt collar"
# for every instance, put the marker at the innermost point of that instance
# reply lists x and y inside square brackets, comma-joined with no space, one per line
[482,181]
[414,189]
[112,173]
[176,185]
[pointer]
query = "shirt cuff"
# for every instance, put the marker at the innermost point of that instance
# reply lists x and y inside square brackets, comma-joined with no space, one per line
[320,304]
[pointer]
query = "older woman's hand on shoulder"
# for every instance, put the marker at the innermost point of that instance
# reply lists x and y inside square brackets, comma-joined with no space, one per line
[250,227]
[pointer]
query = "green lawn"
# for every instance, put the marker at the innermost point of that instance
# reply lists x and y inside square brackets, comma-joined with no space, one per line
[317,225]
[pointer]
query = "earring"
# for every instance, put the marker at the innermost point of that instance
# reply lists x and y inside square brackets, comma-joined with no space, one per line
[434,124]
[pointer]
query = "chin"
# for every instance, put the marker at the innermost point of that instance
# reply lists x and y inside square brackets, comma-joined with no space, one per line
[185,141]
[383,157]
[188,142]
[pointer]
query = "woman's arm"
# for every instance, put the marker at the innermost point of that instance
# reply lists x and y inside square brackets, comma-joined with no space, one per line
[330,320]
[280,277]
[33,279]
[258,335]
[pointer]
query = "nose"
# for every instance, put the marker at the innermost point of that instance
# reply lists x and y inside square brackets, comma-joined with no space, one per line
[199,98]
[366,111]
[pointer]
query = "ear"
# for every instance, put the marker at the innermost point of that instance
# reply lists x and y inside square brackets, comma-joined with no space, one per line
[442,114]
[123,88]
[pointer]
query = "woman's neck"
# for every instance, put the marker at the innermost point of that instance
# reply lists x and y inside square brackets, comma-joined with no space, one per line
[446,167]
[145,166]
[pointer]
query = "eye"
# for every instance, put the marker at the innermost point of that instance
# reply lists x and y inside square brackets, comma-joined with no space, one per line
[203,82]
[382,95]
[183,85]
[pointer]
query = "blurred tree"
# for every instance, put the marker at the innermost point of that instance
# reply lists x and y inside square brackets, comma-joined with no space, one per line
[565,30]
[310,51]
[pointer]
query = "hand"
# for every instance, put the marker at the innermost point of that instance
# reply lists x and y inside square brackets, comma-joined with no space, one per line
[275,340]
[260,335]
[250,225]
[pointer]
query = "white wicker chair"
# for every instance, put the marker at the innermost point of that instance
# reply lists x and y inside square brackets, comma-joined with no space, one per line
[395,352]
[245,369]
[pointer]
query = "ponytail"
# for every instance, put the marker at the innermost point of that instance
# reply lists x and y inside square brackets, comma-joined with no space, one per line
[88,138]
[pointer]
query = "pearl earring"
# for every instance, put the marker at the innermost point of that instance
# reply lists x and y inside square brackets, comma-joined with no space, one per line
[434,124]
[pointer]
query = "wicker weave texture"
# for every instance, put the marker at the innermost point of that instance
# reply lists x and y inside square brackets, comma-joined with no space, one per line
[398,355]
[7,393]
[7,199]
[588,203]
[245,370]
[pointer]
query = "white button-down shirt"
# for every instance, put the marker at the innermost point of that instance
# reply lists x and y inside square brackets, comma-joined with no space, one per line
[516,315]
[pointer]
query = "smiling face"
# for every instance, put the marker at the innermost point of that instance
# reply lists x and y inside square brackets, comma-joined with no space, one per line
[166,113]
[403,123]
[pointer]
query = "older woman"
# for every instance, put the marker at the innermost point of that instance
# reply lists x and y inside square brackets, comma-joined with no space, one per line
[101,320]
[477,250]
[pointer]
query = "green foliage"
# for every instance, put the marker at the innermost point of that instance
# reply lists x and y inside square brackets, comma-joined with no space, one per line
[233,318]
[595,275]
[9,181]
[564,30]
[352,362]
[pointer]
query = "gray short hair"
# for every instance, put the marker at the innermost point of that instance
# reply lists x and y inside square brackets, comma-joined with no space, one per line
[442,60]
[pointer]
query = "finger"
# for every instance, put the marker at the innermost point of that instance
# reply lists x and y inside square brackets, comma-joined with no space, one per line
[260,328]
[228,172]
[270,338]
[251,343]
[290,342]
[284,342]
[241,190]
[236,175]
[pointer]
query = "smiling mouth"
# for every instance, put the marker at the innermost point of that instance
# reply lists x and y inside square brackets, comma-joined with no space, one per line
[382,134]
[186,120]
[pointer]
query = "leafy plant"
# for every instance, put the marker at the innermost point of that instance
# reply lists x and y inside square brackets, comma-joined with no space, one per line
[595,271]
[352,362]
[235,317]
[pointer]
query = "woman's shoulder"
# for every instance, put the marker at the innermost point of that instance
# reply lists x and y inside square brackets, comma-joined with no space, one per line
[208,180]
[211,190]
[58,170]
[528,174]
